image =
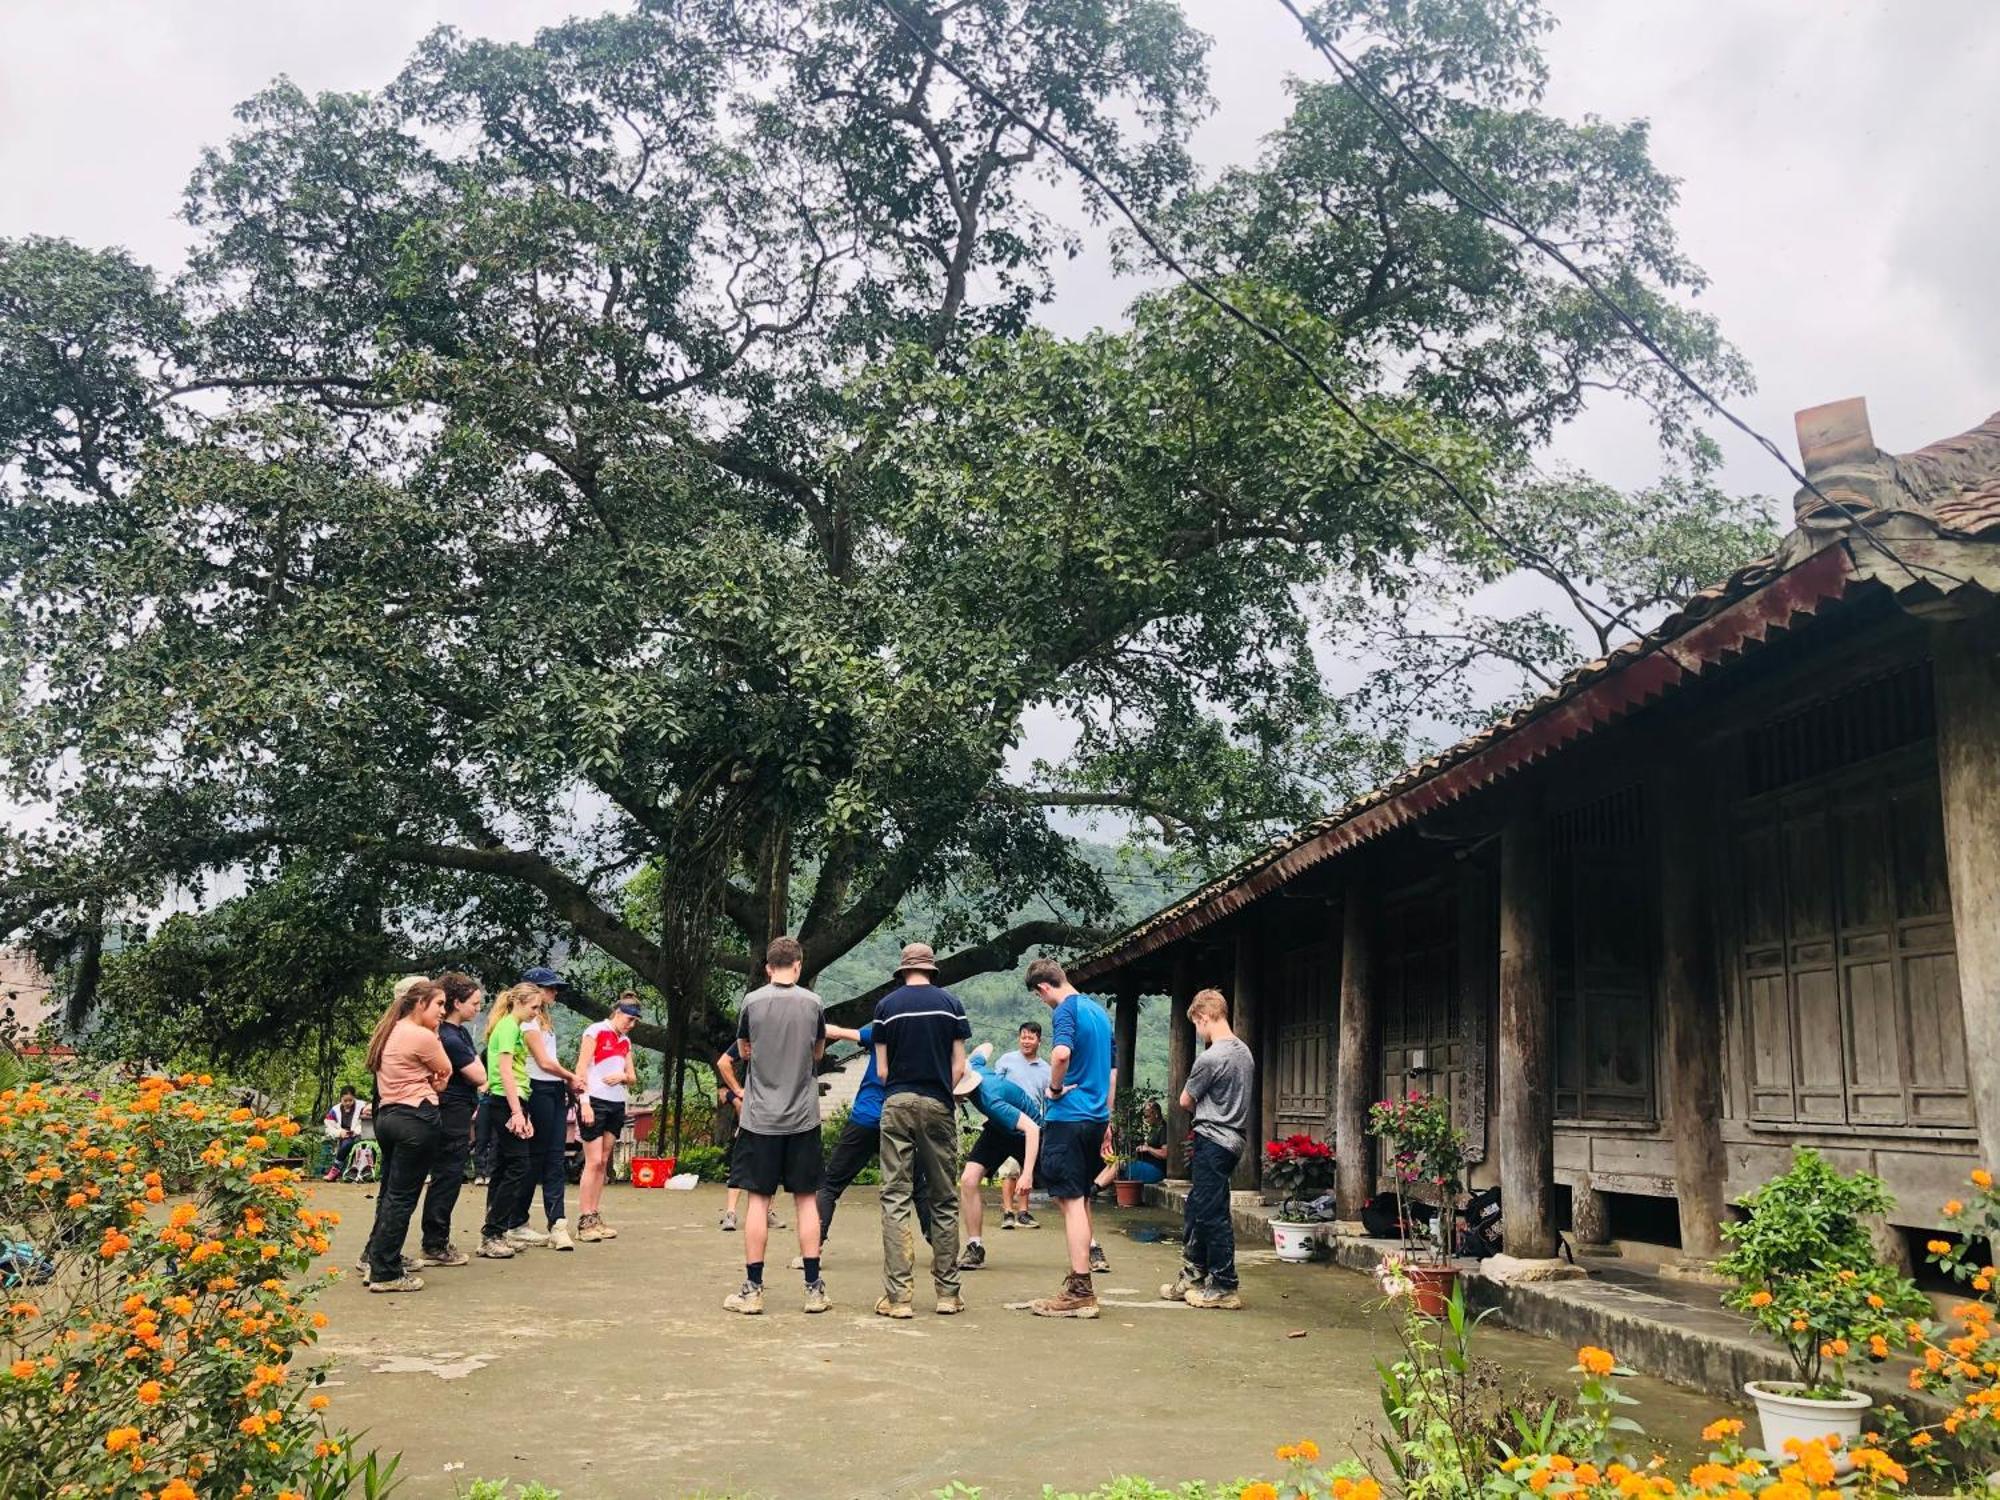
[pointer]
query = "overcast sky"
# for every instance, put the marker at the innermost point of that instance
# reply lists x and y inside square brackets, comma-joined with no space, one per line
[1836,160]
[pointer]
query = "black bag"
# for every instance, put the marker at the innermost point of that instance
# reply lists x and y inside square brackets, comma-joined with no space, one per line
[1479,1235]
[1378,1217]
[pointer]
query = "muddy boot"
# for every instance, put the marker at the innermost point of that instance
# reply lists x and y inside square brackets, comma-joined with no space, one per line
[747,1299]
[1184,1282]
[1208,1294]
[1077,1299]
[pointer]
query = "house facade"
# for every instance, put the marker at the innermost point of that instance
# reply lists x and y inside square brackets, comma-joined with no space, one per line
[1731,889]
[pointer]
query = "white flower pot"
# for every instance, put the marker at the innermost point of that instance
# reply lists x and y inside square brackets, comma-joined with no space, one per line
[1294,1241]
[1785,1414]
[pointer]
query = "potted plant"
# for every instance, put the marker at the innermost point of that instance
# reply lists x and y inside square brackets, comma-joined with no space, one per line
[1301,1169]
[1805,1271]
[1424,1154]
[1136,1119]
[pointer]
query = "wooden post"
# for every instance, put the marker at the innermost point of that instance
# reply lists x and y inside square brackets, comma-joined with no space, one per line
[1692,1005]
[1125,1033]
[1589,1217]
[1967,657]
[1527,1136]
[1245,1018]
[1180,1058]
[1354,1058]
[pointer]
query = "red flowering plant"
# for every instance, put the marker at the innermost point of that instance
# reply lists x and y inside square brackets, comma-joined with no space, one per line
[1301,1169]
[1425,1154]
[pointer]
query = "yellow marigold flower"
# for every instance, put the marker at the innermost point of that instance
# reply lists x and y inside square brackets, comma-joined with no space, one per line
[1760,1299]
[1953,1209]
[1981,1178]
[1798,1325]
[1921,1440]
[22,1369]
[1309,1450]
[1285,1454]
[1939,1247]
[1878,1347]
[319,1403]
[1722,1427]
[1258,1491]
[1875,1301]
[149,1392]
[1595,1361]
[118,1439]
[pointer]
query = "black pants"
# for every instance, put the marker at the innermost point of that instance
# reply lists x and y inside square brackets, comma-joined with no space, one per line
[859,1145]
[548,1108]
[1210,1248]
[509,1185]
[409,1138]
[447,1172]
[486,1128]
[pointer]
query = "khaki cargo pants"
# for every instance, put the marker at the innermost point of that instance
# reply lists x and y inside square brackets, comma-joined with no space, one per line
[918,1135]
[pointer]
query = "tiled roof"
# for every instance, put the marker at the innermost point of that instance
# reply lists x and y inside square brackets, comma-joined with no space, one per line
[1956,482]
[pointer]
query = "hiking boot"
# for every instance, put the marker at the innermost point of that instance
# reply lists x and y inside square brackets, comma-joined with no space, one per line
[1025,1220]
[816,1297]
[451,1255]
[523,1238]
[798,1263]
[604,1230]
[1184,1281]
[775,1221]
[972,1257]
[1006,1221]
[1099,1266]
[728,1223]
[495,1249]
[403,1283]
[1208,1294]
[1077,1299]
[884,1308]
[559,1236]
[416,1263]
[587,1230]
[949,1303]
[748,1298]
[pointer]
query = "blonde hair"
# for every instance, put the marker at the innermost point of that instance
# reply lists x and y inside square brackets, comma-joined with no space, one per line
[512,1001]
[1208,1004]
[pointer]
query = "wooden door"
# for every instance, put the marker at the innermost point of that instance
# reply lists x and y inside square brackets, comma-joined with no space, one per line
[1305,1000]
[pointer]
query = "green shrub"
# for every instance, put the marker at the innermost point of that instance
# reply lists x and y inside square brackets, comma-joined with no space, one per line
[710,1163]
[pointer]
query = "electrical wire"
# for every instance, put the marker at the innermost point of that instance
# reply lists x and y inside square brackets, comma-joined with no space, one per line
[1486,202]
[1204,288]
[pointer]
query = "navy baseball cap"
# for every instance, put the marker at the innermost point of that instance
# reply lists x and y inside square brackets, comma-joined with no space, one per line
[548,979]
[629,1007]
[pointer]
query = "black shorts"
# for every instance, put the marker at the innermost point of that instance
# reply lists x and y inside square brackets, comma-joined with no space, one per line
[1072,1156]
[764,1164]
[995,1144]
[608,1119]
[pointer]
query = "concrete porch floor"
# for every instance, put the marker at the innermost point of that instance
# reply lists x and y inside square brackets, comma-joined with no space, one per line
[1674,1330]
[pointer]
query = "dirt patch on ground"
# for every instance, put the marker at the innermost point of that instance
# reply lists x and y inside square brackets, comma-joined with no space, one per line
[614,1374]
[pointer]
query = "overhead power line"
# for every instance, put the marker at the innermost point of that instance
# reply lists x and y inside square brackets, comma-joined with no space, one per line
[1444,169]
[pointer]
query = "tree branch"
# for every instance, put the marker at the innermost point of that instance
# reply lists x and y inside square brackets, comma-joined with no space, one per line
[997,952]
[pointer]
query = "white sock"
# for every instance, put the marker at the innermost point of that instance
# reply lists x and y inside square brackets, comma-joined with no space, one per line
[971,1242]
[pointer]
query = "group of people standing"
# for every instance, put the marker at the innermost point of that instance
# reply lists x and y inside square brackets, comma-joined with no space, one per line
[1044,1122]
[436,1094]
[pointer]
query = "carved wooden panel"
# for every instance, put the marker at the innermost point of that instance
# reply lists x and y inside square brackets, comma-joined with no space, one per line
[1305,1000]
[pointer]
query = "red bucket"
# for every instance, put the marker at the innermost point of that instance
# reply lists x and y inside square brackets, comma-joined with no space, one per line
[651,1171]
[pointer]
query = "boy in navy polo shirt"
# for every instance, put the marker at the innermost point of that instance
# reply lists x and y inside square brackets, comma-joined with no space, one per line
[1082,1083]
[920,1033]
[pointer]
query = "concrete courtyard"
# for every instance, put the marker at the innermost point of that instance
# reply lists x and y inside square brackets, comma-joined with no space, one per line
[613,1373]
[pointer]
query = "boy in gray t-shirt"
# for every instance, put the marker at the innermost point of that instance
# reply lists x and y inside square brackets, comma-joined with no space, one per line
[1218,1092]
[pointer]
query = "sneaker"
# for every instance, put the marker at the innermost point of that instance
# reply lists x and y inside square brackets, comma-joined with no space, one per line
[604,1230]
[949,1303]
[1099,1266]
[972,1257]
[776,1222]
[403,1283]
[416,1263]
[748,1299]
[816,1297]
[1208,1294]
[728,1223]
[1006,1221]
[524,1238]
[559,1236]
[1177,1289]
[884,1308]
[451,1255]
[589,1231]
[361,1266]
[1025,1220]
[1077,1299]
[495,1249]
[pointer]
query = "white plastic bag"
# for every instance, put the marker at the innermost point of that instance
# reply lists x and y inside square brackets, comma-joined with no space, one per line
[683,1180]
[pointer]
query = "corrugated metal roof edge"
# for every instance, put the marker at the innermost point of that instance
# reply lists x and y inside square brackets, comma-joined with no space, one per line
[1715,623]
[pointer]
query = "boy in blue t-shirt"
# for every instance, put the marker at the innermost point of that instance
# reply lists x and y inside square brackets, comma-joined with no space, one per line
[1076,1128]
[1012,1132]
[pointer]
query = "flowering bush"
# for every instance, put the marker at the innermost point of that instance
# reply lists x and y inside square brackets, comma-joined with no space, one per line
[148,1341]
[1301,1169]
[1807,1273]
[1422,1151]
[1961,1355]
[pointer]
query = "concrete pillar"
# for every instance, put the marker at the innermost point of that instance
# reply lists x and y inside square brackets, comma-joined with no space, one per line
[1125,1034]
[1691,1002]
[1527,1136]
[1967,657]
[1246,1013]
[1354,1079]
[1589,1216]
[1180,1058]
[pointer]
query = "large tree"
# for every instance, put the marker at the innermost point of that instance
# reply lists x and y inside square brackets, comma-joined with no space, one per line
[636,446]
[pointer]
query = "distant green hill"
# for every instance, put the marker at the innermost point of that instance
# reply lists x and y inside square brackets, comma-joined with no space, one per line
[996,1003]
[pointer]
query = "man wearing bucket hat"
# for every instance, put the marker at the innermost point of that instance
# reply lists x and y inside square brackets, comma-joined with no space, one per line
[920,1032]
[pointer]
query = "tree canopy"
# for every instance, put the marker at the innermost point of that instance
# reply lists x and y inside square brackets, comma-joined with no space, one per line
[636,448]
